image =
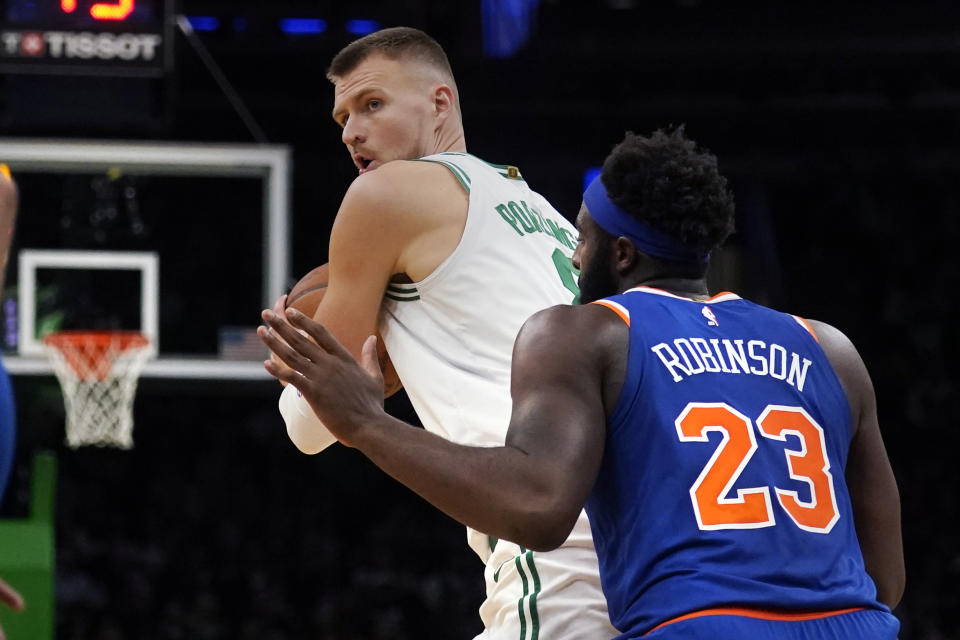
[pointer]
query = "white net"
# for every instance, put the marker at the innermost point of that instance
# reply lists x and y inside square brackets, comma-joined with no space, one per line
[98,373]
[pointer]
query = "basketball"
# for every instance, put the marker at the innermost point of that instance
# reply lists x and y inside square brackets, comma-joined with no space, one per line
[306,295]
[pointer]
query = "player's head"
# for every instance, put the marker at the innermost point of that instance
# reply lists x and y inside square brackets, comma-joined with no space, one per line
[395,97]
[660,196]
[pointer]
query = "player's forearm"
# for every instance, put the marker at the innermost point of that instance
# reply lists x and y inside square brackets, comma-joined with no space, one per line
[882,547]
[876,510]
[500,491]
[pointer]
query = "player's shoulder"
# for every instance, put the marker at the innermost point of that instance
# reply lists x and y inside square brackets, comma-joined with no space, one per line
[401,195]
[585,326]
[845,360]
[402,176]
[401,186]
[576,315]
[833,341]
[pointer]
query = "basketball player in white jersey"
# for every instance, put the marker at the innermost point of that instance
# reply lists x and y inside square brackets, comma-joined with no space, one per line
[447,257]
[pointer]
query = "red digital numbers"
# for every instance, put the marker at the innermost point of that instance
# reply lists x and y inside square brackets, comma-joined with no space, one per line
[118,10]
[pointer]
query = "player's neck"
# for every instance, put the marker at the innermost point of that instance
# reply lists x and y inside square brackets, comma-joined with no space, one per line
[684,280]
[693,288]
[452,141]
[683,287]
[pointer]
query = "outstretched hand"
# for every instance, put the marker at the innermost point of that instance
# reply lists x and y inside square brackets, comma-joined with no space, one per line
[345,395]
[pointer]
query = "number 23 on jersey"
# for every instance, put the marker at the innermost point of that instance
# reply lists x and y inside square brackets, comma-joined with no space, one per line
[752,507]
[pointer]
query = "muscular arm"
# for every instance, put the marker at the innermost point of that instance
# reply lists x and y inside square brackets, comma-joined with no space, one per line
[528,491]
[873,488]
[8,214]
[403,218]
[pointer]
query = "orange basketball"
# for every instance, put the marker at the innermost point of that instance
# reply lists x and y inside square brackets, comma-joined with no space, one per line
[306,296]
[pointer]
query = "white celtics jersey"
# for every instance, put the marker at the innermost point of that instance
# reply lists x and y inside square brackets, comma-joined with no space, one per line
[450,337]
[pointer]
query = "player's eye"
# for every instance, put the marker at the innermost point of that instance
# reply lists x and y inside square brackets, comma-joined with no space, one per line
[373,105]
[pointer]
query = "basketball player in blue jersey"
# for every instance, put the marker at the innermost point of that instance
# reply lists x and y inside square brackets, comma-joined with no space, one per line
[729,455]
[8,214]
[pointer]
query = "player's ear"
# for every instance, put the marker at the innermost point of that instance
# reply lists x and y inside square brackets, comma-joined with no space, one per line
[624,254]
[443,101]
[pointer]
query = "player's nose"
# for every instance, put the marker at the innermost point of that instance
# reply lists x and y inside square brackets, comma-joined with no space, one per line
[351,133]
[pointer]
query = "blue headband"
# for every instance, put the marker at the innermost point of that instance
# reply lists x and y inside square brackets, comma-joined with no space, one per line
[618,222]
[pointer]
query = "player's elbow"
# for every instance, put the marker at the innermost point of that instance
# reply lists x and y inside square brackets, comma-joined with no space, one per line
[548,540]
[540,537]
[545,529]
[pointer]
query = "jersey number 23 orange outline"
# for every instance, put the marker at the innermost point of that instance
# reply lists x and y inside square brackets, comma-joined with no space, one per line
[752,508]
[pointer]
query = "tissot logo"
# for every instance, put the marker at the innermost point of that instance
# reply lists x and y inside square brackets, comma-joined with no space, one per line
[31,44]
[66,45]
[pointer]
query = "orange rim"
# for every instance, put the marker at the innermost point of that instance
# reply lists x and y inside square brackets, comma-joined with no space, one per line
[91,354]
[121,340]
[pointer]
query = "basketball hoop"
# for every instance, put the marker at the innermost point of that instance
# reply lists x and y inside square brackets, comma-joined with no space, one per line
[98,373]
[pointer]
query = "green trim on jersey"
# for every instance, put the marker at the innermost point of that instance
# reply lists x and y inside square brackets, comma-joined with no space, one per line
[402,292]
[508,171]
[457,172]
[526,588]
[399,299]
[531,597]
[535,617]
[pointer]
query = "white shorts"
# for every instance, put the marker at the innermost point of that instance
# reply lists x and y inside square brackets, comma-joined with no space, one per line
[552,595]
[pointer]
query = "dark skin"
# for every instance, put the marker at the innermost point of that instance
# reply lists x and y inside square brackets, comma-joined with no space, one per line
[562,398]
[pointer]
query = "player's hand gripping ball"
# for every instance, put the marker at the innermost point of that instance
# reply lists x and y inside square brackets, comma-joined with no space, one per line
[306,296]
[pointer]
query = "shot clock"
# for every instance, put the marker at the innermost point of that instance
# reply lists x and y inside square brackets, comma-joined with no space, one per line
[102,37]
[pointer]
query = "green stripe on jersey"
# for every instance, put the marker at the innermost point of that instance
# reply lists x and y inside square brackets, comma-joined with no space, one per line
[402,291]
[526,589]
[457,172]
[460,174]
[393,296]
[508,171]
[534,617]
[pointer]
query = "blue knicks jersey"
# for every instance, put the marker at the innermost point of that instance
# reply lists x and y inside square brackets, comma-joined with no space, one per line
[722,482]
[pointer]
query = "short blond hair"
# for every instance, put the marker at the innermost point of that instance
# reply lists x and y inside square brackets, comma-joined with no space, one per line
[394,43]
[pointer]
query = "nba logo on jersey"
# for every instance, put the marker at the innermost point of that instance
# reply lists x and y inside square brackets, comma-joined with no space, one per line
[711,319]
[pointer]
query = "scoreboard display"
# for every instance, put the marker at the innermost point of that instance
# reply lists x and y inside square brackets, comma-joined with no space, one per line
[91,37]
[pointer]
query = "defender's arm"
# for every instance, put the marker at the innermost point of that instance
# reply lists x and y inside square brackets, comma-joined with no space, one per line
[528,491]
[873,488]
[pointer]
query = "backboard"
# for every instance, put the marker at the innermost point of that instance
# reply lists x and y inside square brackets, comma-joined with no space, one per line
[185,242]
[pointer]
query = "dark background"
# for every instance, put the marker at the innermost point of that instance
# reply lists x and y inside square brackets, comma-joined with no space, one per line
[837,124]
